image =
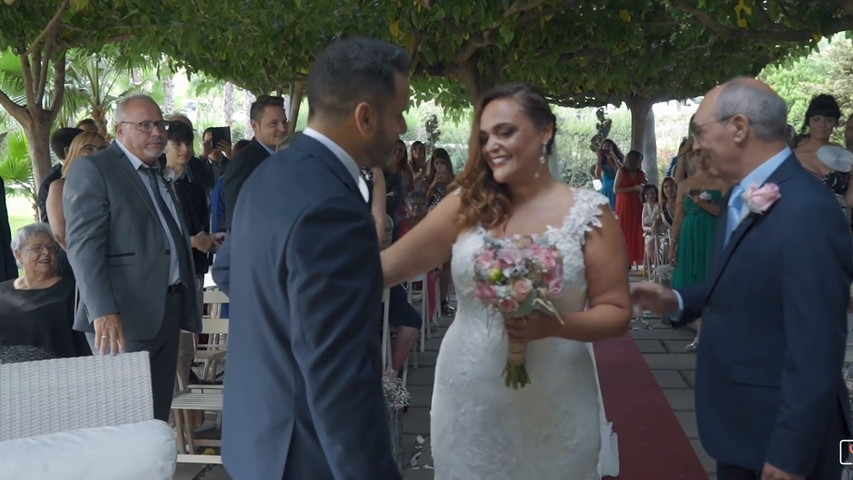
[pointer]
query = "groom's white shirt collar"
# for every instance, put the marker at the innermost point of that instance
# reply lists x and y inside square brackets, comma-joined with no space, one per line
[761,174]
[343,156]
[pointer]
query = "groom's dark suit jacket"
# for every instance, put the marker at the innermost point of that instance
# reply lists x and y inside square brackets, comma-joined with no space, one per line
[769,385]
[304,396]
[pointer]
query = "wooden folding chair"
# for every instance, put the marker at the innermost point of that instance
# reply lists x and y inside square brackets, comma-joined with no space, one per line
[201,397]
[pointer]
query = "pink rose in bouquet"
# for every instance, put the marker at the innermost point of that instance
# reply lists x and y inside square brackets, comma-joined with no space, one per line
[486,261]
[521,289]
[513,277]
[486,291]
[507,305]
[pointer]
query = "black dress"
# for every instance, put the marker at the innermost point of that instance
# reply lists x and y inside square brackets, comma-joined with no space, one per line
[8,266]
[36,324]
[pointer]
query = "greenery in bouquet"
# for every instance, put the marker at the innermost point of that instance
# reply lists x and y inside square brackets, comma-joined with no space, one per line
[514,276]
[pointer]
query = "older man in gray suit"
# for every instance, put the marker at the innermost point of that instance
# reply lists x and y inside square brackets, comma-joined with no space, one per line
[129,247]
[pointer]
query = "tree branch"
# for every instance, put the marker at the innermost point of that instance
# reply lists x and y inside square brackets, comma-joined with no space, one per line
[487,37]
[836,25]
[18,112]
[787,12]
[589,52]
[45,67]
[472,46]
[521,6]
[53,23]
[28,79]
[58,87]
[531,17]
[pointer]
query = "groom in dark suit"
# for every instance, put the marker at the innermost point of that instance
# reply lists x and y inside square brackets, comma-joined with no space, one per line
[304,393]
[771,402]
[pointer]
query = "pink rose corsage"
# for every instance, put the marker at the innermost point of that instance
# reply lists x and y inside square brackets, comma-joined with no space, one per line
[760,199]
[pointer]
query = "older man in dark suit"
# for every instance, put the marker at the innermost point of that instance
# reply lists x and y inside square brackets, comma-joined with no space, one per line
[771,403]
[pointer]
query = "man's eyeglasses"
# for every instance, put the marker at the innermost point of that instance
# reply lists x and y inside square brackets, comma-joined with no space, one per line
[37,249]
[696,130]
[147,126]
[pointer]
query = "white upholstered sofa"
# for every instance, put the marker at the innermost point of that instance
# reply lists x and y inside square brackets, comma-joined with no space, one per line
[82,418]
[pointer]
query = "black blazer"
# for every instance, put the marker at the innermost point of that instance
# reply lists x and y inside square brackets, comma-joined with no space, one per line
[54,174]
[236,173]
[8,266]
[304,397]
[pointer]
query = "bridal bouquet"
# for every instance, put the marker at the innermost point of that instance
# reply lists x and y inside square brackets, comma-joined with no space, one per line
[513,277]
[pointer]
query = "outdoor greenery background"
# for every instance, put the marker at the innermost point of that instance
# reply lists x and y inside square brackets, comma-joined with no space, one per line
[210,102]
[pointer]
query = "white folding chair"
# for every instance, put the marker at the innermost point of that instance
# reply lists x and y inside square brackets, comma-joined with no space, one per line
[212,353]
[201,397]
[414,295]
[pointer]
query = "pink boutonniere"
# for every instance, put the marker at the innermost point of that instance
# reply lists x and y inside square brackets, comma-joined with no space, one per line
[760,199]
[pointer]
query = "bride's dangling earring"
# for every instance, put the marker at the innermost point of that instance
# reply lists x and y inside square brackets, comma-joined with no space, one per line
[541,159]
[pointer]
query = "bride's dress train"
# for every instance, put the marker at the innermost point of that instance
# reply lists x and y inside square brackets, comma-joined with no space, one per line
[550,429]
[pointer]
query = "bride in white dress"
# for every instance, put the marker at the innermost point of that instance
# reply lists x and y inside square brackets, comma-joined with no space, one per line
[549,429]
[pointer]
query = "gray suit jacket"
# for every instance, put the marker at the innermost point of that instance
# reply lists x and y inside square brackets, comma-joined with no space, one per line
[118,248]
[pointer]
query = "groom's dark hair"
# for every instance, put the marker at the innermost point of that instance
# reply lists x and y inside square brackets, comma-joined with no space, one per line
[352,71]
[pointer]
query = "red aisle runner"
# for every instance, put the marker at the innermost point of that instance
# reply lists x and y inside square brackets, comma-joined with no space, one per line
[652,445]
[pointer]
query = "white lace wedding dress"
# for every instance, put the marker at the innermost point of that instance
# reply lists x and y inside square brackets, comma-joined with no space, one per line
[549,429]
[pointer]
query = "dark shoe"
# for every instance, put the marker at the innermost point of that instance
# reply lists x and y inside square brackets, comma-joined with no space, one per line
[447,309]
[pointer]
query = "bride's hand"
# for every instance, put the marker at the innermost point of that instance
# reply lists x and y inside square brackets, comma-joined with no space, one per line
[534,326]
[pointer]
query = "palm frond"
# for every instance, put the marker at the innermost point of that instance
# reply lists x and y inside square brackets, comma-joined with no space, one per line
[16,168]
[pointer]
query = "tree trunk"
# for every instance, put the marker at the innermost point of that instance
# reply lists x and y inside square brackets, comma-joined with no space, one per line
[38,137]
[99,115]
[476,83]
[297,90]
[249,99]
[643,134]
[229,103]
[168,94]
[38,113]
[650,149]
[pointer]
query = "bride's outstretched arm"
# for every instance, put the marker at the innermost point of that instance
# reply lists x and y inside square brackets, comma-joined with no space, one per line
[425,247]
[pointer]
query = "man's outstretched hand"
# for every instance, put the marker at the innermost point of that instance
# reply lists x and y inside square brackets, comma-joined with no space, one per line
[653,297]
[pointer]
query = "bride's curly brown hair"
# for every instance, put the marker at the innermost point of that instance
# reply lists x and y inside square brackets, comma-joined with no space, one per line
[484,201]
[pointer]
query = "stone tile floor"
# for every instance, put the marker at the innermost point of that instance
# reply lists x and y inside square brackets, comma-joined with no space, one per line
[662,347]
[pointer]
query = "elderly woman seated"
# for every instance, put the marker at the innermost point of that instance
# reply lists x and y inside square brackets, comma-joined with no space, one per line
[37,309]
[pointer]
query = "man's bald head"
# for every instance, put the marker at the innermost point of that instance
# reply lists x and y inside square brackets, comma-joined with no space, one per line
[766,110]
[738,125]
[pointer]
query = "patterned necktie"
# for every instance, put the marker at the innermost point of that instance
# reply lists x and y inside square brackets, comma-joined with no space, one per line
[184,262]
[735,205]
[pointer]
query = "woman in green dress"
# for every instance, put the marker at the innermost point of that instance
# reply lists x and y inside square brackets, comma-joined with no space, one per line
[699,200]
